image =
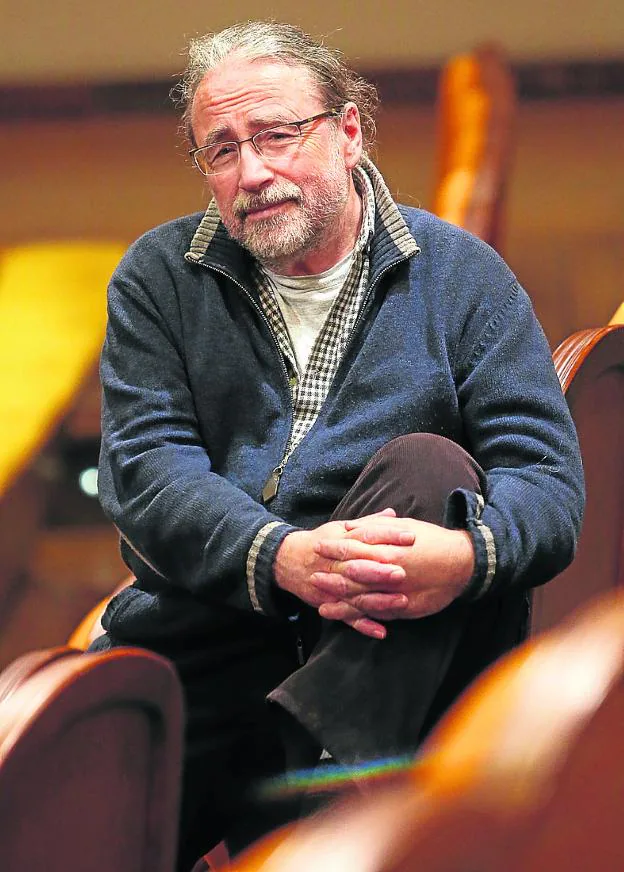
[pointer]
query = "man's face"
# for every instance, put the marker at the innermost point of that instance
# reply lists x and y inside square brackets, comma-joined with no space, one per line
[284,208]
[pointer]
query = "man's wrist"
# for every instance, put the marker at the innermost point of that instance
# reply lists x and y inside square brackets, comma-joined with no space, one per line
[463,559]
[260,562]
[285,561]
[284,574]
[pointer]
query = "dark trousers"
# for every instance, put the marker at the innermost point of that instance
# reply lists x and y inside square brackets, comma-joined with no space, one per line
[358,697]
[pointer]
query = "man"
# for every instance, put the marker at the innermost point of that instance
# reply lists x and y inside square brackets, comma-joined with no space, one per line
[333,440]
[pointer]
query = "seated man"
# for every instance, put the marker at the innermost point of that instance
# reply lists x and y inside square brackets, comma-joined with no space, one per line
[334,443]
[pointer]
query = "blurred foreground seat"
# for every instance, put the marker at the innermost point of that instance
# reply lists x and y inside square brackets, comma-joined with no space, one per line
[90,750]
[524,774]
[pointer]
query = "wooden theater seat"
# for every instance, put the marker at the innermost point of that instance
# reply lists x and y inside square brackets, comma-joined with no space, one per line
[19,671]
[524,774]
[90,748]
[590,365]
[476,114]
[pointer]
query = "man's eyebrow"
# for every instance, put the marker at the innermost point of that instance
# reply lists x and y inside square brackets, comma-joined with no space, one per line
[219,134]
[224,132]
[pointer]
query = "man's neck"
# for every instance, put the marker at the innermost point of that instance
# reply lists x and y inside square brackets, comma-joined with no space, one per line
[335,244]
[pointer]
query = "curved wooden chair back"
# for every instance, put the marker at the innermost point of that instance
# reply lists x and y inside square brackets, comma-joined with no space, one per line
[476,112]
[89,629]
[90,749]
[16,673]
[525,772]
[590,365]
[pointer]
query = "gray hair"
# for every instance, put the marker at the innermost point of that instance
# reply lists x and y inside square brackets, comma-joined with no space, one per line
[255,40]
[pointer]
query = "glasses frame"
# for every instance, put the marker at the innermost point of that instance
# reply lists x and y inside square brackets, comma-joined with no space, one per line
[329,113]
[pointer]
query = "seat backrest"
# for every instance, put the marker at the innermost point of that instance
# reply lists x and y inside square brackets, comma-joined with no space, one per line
[590,365]
[525,772]
[476,115]
[16,673]
[90,749]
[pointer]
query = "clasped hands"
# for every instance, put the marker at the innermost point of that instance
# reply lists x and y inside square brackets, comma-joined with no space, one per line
[374,569]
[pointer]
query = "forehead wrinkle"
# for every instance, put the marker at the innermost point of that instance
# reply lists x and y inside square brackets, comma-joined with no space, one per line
[232,93]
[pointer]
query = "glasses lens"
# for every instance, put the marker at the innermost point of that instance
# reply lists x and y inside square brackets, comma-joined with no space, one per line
[217,158]
[273,142]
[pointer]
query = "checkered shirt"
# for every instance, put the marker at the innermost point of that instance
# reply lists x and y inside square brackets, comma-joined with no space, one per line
[309,391]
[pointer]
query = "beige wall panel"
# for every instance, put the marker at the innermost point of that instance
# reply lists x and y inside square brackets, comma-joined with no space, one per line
[115,40]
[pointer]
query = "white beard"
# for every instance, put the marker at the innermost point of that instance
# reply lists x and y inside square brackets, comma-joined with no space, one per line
[311,218]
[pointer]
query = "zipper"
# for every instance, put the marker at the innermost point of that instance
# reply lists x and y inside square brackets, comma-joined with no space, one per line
[269,491]
[300,652]
[295,622]
[271,486]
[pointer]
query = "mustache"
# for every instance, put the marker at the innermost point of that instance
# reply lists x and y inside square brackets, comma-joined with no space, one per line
[244,203]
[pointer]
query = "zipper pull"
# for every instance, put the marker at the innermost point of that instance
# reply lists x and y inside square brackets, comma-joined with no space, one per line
[269,491]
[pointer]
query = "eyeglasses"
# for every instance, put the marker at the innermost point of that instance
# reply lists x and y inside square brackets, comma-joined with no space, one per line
[274,142]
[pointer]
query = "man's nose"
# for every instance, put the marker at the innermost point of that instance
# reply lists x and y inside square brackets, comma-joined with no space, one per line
[253,170]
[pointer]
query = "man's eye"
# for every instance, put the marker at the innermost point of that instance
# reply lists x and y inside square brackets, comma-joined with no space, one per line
[280,135]
[221,152]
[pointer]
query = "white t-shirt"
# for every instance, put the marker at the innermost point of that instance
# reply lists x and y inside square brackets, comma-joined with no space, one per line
[305,302]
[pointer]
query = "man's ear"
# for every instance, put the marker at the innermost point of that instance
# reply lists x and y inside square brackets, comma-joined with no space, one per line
[352,131]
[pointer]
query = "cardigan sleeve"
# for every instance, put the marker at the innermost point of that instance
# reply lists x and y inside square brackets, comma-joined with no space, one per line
[520,431]
[180,523]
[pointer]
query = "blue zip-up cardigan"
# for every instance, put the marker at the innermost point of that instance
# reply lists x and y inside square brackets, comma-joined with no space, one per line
[197,413]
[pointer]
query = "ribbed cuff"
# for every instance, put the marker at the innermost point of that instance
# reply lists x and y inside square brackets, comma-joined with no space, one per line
[463,511]
[264,595]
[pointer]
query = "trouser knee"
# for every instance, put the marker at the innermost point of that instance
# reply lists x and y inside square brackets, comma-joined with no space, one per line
[413,474]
